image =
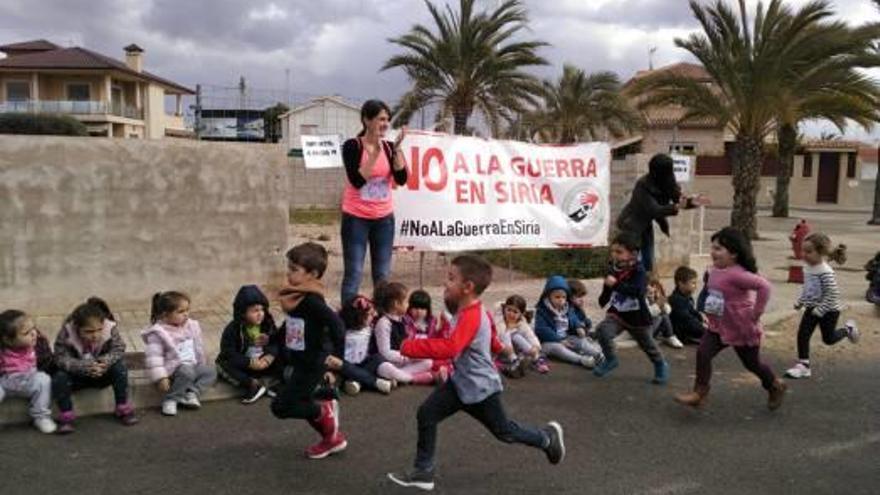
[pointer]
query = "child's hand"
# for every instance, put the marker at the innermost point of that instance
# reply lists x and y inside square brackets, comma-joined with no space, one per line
[96,369]
[568,344]
[255,364]
[705,319]
[267,360]
[798,305]
[610,281]
[164,385]
[333,363]
[262,340]
[581,332]
[330,378]
[508,351]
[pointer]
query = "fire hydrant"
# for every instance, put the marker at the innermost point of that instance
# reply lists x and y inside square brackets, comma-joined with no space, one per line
[798,234]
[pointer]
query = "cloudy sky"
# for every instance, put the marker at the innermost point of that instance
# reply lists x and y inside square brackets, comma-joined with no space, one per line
[338,46]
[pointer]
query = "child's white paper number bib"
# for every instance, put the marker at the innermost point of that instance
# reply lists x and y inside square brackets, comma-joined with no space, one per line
[714,303]
[624,303]
[295,336]
[356,347]
[254,351]
[376,189]
[812,289]
[187,351]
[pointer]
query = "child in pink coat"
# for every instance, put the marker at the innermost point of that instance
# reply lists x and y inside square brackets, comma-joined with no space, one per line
[733,299]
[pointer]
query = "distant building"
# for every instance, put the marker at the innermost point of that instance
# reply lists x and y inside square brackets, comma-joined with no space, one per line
[112,98]
[325,115]
[231,125]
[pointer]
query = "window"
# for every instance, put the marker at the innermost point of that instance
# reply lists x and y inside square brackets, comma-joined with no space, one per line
[79,92]
[18,91]
[808,165]
[683,148]
[308,129]
[851,166]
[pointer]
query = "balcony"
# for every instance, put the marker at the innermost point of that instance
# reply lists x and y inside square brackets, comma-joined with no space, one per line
[73,108]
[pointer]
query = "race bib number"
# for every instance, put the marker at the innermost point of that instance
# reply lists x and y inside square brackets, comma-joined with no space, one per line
[186,350]
[624,303]
[376,189]
[356,348]
[812,289]
[254,351]
[714,303]
[295,335]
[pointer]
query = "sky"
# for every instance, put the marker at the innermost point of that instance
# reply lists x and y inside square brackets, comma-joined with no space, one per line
[318,47]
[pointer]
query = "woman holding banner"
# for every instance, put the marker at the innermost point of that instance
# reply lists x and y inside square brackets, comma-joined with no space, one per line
[371,164]
[655,197]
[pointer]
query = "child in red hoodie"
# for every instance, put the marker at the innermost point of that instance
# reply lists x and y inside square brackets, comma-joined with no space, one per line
[475,387]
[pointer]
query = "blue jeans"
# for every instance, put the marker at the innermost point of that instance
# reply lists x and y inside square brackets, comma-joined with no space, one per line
[357,233]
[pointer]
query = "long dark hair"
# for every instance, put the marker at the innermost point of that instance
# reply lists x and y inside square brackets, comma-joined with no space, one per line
[369,111]
[738,245]
[420,299]
[94,308]
[661,173]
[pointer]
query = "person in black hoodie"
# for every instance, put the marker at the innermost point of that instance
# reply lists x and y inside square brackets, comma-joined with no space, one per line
[310,324]
[688,324]
[249,346]
[656,196]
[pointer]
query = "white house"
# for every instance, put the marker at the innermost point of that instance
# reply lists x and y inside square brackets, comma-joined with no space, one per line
[322,116]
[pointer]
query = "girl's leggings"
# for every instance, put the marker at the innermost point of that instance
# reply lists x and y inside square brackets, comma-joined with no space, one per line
[827,323]
[750,356]
[417,371]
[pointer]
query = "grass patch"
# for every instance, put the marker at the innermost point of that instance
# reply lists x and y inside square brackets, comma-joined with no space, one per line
[313,216]
[576,263]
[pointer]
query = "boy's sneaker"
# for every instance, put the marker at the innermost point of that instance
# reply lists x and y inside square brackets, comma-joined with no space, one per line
[190,401]
[329,418]
[65,423]
[776,394]
[852,331]
[351,387]
[588,362]
[125,414]
[555,449]
[661,373]
[800,370]
[605,367]
[540,365]
[423,480]
[383,386]
[672,341]
[45,425]
[326,447]
[169,408]
[253,394]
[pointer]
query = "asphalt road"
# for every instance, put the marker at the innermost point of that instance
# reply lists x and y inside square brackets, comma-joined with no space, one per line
[624,436]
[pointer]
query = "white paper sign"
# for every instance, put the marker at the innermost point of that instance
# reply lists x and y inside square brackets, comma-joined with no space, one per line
[683,167]
[322,151]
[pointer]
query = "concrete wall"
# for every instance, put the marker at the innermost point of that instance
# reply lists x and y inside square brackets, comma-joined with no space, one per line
[125,218]
[321,188]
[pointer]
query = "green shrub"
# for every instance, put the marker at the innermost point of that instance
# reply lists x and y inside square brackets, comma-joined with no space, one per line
[26,123]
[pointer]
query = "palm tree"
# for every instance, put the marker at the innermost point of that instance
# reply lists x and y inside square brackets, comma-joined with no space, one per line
[875,217]
[579,106]
[749,66]
[472,61]
[821,82]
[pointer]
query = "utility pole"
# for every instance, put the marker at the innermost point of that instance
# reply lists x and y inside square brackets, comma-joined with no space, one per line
[197,121]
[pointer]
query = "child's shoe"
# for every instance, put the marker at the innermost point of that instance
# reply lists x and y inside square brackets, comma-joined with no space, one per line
[588,362]
[253,394]
[384,386]
[45,425]
[776,394]
[351,387]
[605,367]
[326,447]
[799,370]
[125,414]
[541,366]
[169,408]
[65,423]
[423,480]
[852,331]
[328,421]
[695,398]
[673,341]
[190,401]
[555,449]
[661,373]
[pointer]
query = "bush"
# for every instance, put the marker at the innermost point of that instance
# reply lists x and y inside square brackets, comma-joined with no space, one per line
[576,263]
[26,123]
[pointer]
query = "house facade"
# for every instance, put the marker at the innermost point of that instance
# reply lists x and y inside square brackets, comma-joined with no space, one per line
[325,115]
[112,98]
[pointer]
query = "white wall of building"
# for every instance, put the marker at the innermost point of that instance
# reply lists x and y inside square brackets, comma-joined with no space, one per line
[324,117]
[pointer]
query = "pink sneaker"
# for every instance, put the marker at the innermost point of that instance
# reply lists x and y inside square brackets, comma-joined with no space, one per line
[125,414]
[541,366]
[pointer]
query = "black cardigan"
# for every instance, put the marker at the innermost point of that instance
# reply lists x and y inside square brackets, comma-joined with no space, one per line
[351,157]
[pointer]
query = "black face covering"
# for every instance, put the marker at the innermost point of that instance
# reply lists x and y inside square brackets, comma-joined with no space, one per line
[662,175]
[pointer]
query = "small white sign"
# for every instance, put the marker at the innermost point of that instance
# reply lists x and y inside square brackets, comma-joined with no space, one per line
[322,151]
[683,167]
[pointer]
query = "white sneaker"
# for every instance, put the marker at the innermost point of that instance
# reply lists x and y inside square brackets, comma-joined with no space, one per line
[672,341]
[625,341]
[383,386]
[351,387]
[852,331]
[45,425]
[800,370]
[169,408]
[190,401]
[588,362]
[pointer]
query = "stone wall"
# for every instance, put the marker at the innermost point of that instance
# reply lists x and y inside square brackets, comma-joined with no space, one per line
[125,218]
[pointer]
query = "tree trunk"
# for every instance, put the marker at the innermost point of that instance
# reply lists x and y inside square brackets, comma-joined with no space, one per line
[747,156]
[460,117]
[787,138]
[875,220]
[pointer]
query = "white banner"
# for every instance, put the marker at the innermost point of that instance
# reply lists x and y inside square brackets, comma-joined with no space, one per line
[468,193]
[683,167]
[322,151]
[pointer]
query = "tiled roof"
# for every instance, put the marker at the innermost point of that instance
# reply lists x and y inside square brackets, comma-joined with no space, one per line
[693,71]
[833,144]
[35,45]
[670,116]
[868,153]
[81,59]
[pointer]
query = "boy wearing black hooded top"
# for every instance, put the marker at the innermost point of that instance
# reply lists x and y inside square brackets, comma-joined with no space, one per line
[308,325]
[249,347]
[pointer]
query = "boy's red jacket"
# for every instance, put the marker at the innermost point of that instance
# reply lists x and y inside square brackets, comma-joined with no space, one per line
[463,334]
